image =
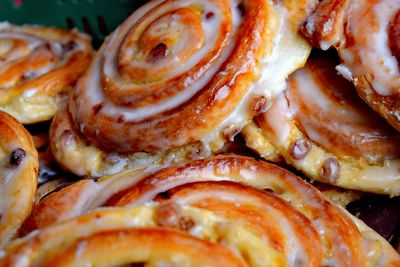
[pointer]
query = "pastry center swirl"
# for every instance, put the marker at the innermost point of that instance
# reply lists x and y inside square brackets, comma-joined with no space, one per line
[166,52]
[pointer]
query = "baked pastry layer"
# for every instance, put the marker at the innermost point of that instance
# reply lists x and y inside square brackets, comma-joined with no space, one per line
[177,80]
[18,176]
[322,128]
[366,34]
[264,213]
[38,67]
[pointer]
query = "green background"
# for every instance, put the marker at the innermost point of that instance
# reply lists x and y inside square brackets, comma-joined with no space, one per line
[95,17]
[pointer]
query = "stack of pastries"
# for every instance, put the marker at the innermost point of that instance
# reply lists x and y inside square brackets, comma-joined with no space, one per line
[148,135]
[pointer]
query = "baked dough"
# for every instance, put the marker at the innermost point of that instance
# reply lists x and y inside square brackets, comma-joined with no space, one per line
[18,177]
[366,35]
[284,219]
[176,80]
[38,67]
[321,127]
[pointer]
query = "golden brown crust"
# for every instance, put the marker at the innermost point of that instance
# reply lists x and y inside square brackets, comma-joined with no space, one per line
[379,139]
[336,229]
[321,127]
[366,36]
[261,211]
[74,154]
[190,118]
[19,163]
[39,66]
[38,248]
[151,246]
[157,94]
[386,106]
[314,27]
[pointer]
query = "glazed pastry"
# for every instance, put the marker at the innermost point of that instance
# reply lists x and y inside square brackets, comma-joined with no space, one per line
[38,67]
[18,178]
[176,80]
[320,126]
[264,213]
[90,244]
[367,37]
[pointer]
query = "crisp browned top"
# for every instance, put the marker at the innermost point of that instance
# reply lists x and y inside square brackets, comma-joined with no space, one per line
[329,112]
[366,35]
[172,72]
[273,203]
[18,176]
[39,61]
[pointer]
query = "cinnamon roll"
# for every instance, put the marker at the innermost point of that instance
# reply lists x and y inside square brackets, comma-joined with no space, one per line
[131,244]
[322,128]
[180,77]
[367,37]
[38,66]
[267,215]
[18,178]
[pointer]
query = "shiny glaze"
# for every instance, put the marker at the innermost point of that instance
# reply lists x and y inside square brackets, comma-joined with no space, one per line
[149,106]
[351,146]
[290,195]
[18,176]
[365,33]
[37,65]
[165,91]
[330,113]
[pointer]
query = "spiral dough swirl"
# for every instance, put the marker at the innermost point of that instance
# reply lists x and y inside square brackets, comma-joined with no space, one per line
[320,126]
[173,72]
[367,37]
[265,213]
[37,66]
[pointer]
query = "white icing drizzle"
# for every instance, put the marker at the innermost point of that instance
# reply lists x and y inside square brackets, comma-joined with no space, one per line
[211,30]
[309,90]
[345,72]
[288,45]
[292,244]
[372,170]
[29,53]
[11,32]
[32,42]
[289,51]
[17,179]
[370,54]
[342,112]
[91,87]
[8,180]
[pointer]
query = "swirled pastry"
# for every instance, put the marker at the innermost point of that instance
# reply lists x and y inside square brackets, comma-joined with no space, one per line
[18,178]
[135,242]
[367,37]
[38,66]
[322,128]
[178,76]
[280,221]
